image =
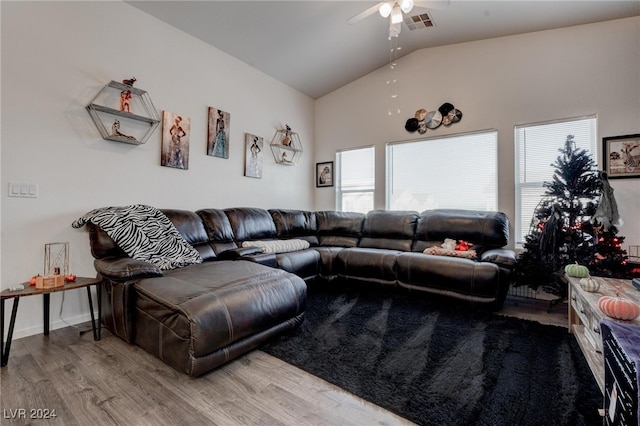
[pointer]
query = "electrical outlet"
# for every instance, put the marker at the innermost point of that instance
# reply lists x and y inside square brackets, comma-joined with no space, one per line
[23,190]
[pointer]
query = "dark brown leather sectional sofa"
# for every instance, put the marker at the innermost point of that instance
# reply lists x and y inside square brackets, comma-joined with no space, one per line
[198,317]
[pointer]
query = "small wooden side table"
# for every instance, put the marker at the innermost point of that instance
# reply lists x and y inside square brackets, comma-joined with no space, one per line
[80,282]
[585,317]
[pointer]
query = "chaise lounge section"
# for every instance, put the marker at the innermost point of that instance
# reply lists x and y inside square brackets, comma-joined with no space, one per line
[200,316]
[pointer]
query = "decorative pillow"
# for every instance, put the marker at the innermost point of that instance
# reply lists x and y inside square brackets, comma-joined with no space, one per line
[278,246]
[439,251]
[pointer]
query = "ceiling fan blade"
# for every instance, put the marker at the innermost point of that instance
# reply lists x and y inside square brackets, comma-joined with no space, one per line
[432,4]
[360,16]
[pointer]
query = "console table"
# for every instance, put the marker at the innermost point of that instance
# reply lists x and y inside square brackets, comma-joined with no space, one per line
[585,317]
[80,282]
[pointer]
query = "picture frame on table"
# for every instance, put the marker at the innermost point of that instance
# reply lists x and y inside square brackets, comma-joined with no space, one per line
[621,156]
[324,174]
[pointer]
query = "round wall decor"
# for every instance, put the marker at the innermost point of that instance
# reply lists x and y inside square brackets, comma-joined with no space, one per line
[433,119]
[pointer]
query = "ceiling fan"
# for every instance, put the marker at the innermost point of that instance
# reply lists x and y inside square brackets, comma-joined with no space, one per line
[394,10]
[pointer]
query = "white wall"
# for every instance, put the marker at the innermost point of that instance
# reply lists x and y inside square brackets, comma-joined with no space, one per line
[497,83]
[55,57]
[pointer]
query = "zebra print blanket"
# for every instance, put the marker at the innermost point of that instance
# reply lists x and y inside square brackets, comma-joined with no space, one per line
[144,233]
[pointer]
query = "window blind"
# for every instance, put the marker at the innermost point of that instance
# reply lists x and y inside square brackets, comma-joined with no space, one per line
[355,179]
[457,172]
[537,147]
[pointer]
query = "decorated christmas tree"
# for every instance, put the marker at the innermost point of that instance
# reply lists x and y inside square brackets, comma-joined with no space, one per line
[573,223]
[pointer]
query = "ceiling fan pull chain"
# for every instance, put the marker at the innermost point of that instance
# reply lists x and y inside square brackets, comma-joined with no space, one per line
[392,82]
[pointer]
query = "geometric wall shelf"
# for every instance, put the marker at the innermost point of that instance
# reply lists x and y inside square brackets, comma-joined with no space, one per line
[123,113]
[286,147]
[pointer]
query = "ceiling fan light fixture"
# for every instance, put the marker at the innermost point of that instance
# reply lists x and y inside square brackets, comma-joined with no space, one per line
[406,5]
[396,14]
[385,9]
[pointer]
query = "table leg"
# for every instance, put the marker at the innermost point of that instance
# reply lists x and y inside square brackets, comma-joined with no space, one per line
[6,347]
[97,333]
[45,312]
[99,290]
[93,318]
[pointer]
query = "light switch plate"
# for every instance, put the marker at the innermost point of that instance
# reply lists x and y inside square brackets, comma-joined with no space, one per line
[23,190]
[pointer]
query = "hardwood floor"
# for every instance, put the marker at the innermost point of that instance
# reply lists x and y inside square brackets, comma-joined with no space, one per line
[111,382]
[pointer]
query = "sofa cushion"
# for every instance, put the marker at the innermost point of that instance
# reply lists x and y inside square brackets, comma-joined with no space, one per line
[295,224]
[303,263]
[278,246]
[328,260]
[186,315]
[190,226]
[339,229]
[218,228]
[451,276]
[251,224]
[102,245]
[490,229]
[376,265]
[389,230]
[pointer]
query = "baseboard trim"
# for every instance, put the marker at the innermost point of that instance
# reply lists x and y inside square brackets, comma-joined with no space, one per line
[19,333]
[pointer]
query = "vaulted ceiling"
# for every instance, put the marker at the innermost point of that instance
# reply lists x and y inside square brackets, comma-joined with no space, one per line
[310,46]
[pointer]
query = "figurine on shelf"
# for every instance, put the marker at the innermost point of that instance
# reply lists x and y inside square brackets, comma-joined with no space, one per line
[115,131]
[129,82]
[287,136]
[284,158]
[125,95]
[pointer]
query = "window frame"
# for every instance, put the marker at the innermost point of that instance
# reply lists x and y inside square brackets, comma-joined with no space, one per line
[518,186]
[338,177]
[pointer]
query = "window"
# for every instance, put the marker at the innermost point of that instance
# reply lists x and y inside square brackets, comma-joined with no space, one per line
[536,150]
[458,172]
[355,178]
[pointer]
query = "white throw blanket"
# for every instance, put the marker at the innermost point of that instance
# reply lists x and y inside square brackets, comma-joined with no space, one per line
[278,246]
[144,233]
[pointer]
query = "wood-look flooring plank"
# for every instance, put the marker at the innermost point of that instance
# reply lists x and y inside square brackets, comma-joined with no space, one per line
[133,389]
[28,393]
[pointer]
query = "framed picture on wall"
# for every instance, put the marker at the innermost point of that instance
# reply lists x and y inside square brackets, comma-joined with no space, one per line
[324,174]
[253,155]
[218,133]
[621,156]
[176,130]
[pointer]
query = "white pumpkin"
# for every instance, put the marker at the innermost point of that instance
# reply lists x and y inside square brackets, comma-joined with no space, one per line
[590,284]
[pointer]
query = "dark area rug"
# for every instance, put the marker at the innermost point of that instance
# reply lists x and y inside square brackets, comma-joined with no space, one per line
[440,363]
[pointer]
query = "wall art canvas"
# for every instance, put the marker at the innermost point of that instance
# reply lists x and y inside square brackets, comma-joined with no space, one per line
[253,155]
[218,135]
[621,155]
[176,131]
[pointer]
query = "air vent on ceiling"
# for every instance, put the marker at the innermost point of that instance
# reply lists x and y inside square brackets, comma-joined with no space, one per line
[416,22]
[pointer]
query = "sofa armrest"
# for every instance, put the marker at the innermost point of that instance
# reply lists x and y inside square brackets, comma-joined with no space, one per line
[236,253]
[502,257]
[125,268]
[252,254]
[267,259]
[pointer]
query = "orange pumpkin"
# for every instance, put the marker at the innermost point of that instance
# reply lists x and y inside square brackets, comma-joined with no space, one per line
[619,308]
